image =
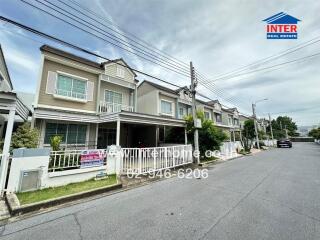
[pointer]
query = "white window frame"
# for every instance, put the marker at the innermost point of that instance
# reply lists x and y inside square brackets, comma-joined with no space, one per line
[120,71]
[205,114]
[56,95]
[67,123]
[167,114]
[104,97]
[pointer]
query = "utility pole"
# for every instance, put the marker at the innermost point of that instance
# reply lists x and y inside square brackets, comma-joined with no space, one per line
[270,126]
[255,124]
[285,128]
[194,113]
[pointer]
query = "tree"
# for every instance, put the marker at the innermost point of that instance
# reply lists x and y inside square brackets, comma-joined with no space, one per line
[280,124]
[315,133]
[248,134]
[25,137]
[210,137]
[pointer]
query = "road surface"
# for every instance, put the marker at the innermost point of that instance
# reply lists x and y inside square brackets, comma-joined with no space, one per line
[272,195]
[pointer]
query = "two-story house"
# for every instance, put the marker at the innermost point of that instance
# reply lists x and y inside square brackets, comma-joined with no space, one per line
[177,103]
[230,118]
[91,104]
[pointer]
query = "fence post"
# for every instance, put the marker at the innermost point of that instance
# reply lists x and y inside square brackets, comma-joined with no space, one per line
[139,161]
[154,159]
[166,156]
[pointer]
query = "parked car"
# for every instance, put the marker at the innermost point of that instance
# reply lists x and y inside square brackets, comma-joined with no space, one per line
[284,143]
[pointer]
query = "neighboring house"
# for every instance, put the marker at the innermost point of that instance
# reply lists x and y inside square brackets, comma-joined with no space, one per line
[230,118]
[11,107]
[93,105]
[162,101]
[242,119]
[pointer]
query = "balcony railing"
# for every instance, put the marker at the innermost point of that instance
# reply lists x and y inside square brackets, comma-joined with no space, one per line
[114,107]
[71,94]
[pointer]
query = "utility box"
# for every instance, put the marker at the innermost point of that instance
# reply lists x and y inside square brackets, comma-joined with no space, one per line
[30,180]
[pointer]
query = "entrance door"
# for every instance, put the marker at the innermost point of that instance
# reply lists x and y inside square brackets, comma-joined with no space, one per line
[106,137]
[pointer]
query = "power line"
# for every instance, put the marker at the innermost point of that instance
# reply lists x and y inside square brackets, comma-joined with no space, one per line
[99,37]
[268,59]
[115,38]
[276,65]
[70,45]
[123,31]
[138,41]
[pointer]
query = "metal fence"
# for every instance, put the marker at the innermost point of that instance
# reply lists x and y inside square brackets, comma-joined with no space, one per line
[114,107]
[68,159]
[146,160]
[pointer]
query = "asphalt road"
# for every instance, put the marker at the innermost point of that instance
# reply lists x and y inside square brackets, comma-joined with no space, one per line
[272,195]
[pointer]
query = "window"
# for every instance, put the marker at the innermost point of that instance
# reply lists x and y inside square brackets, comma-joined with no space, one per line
[120,71]
[182,112]
[218,117]
[113,97]
[236,122]
[71,87]
[70,133]
[230,121]
[207,115]
[166,107]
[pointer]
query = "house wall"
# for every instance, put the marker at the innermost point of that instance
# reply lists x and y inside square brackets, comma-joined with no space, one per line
[50,100]
[147,99]
[126,92]
[170,99]
[4,85]
[111,70]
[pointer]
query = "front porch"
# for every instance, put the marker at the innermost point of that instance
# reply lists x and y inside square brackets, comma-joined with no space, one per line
[136,130]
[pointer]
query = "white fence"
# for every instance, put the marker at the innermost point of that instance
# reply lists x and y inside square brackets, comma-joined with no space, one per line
[145,160]
[67,159]
[114,107]
[270,143]
[229,149]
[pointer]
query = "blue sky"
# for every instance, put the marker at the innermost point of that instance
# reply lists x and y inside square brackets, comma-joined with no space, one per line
[218,36]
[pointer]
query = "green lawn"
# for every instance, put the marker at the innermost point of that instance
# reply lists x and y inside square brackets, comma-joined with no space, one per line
[49,193]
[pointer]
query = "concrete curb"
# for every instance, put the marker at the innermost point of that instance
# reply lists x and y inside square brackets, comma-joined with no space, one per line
[16,209]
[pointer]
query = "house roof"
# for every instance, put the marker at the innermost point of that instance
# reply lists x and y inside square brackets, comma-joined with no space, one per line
[160,87]
[281,18]
[6,68]
[118,60]
[59,52]
[74,57]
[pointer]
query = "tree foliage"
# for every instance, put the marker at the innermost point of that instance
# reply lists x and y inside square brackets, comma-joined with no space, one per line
[248,134]
[25,137]
[315,133]
[210,136]
[280,124]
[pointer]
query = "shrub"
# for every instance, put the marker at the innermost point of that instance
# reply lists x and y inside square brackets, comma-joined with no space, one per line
[25,137]
[55,142]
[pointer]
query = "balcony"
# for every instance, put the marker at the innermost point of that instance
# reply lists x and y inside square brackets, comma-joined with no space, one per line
[106,107]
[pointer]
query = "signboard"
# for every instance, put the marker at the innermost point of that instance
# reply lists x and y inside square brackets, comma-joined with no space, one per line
[92,158]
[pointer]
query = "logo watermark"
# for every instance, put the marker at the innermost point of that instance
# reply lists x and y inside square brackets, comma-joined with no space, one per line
[282,26]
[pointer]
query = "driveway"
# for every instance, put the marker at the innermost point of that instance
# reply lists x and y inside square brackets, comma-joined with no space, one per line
[272,195]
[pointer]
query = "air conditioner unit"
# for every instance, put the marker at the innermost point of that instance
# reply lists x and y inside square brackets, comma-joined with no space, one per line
[30,180]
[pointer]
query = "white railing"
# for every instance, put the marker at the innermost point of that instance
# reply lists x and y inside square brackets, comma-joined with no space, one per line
[114,107]
[229,149]
[71,94]
[270,143]
[66,160]
[146,160]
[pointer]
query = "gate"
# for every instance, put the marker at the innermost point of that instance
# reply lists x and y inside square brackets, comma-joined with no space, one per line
[147,160]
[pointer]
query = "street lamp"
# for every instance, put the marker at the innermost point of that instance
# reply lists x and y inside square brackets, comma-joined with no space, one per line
[255,119]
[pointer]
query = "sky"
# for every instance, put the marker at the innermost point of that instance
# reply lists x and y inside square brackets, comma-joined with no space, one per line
[217,36]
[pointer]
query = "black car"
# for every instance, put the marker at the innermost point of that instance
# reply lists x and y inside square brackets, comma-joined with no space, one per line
[284,143]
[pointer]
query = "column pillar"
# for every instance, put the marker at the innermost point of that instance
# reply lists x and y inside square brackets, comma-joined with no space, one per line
[6,149]
[185,136]
[118,133]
